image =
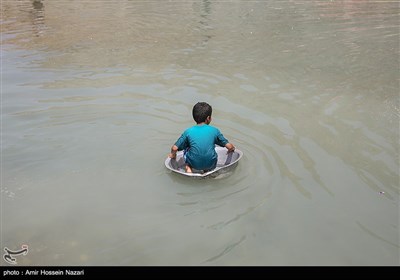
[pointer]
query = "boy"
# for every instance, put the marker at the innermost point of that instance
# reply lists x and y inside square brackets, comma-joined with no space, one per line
[198,142]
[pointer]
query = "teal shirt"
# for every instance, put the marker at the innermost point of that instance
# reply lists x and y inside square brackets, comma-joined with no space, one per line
[200,141]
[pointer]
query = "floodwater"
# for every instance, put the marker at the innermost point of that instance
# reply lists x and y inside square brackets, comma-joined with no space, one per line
[94,93]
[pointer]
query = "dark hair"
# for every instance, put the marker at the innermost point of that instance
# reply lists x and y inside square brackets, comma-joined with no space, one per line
[201,111]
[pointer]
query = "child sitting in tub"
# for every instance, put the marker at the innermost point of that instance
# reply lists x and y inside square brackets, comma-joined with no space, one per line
[198,142]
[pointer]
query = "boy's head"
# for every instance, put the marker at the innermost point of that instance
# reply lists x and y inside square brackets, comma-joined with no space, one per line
[201,112]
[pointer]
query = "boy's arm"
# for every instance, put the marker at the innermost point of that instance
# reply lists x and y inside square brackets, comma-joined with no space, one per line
[174,149]
[230,147]
[179,145]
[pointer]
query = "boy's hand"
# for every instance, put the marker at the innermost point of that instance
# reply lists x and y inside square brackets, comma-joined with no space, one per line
[230,147]
[172,155]
[174,149]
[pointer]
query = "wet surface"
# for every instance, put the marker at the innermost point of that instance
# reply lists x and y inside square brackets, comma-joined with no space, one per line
[94,93]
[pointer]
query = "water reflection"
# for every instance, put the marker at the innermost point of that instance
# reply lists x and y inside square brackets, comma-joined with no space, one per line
[206,8]
[38,6]
[38,18]
[205,20]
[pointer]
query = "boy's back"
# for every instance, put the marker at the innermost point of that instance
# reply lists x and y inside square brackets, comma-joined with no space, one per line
[199,142]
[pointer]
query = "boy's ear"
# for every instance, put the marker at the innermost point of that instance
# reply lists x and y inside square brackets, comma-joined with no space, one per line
[209,119]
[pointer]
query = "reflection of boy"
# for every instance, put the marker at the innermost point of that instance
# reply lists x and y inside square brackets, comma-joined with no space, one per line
[198,141]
